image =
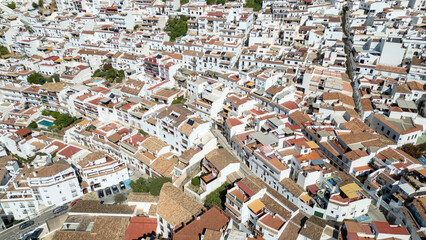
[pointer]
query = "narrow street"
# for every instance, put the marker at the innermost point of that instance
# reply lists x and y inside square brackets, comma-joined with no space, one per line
[14,233]
[350,60]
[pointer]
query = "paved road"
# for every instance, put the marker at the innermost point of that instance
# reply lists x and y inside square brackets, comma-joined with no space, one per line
[222,141]
[14,233]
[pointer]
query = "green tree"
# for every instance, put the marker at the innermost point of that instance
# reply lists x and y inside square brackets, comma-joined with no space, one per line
[136,27]
[45,112]
[143,132]
[179,100]
[182,2]
[63,121]
[255,4]
[109,73]
[196,181]
[40,3]
[140,185]
[36,78]
[412,150]
[53,78]
[217,197]
[33,125]
[3,50]
[55,114]
[177,27]
[11,5]
[35,5]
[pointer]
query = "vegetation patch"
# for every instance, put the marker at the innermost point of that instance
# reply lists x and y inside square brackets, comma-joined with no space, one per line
[143,132]
[177,27]
[61,120]
[255,4]
[11,5]
[38,78]
[179,100]
[218,197]
[33,125]
[413,150]
[3,50]
[151,185]
[109,73]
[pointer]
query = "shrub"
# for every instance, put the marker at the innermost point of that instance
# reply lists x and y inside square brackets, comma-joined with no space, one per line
[412,150]
[11,5]
[33,125]
[4,50]
[157,184]
[177,27]
[119,198]
[196,181]
[151,185]
[179,100]
[143,132]
[217,197]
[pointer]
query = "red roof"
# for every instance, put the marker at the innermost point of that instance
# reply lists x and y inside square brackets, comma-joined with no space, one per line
[23,132]
[213,219]
[385,227]
[234,122]
[246,189]
[82,67]
[51,58]
[290,105]
[313,188]
[69,151]
[139,227]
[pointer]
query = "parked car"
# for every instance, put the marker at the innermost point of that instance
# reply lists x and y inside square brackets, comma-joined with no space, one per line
[36,234]
[115,189]
[122,186]
[27,234]
[74,202]
[108,191]
[26,224]
[101,193]
[60,209]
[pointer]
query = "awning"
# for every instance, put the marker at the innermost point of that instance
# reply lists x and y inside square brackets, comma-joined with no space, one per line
[227,108]
[256,206]
[58,60]
[312,144]
[313,188]
[250,84]
[305,198]
[351,190]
